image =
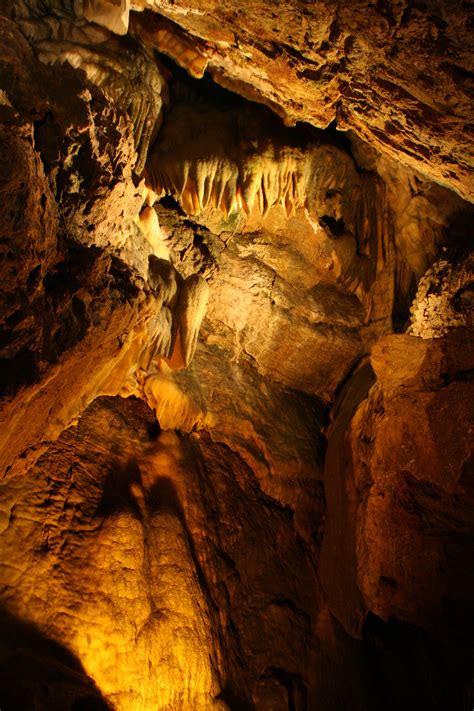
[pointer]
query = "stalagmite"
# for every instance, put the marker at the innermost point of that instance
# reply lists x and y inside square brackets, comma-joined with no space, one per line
[176,400]
[236,388]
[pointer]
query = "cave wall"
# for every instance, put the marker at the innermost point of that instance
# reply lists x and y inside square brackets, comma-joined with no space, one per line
[277,514]
[159,562]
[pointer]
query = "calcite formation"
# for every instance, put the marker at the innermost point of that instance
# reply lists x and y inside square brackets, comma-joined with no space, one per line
[398,73]
[236,159]
[444,299]
[124,71]
[236,356]
[177,402]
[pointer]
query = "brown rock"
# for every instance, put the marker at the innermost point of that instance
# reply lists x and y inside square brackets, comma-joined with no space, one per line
[399,75]
[77,321]
[272,511]
[401,485]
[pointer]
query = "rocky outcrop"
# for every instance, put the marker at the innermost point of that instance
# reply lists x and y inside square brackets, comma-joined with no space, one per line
[79,319]
[444,298]
[398,492]
[397,73]
[62,292]
[185,563]
[67,34]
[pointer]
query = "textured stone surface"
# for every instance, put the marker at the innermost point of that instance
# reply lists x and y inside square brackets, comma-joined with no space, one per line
[303,542]
[444,299]
[399,486]
[419,513]
[77,319]
[99,522]
[161,565]
[123,70]
[276,432]
[398,73]
[61,296]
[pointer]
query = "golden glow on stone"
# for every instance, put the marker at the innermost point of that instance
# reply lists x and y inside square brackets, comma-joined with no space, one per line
[119,590]
[149,648]
[113,14]
[175,404]
[167,38]
[149,225]
[208,158]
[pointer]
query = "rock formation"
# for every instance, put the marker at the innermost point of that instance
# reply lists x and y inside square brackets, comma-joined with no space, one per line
[236,355]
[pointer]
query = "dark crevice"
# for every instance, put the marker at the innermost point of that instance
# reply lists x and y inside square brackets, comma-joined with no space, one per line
[335,226]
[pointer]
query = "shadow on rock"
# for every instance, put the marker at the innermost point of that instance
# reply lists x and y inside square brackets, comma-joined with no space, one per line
[39,673]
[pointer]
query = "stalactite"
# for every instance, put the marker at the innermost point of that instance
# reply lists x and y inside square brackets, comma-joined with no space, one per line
[123,69]
[185,303]
[191,309]
[241,159]
[205,157]
[113,15]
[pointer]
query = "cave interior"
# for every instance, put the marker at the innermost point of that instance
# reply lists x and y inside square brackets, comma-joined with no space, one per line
[236,355]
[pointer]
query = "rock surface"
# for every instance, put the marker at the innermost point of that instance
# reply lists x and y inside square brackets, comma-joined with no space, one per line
[189,573]
[236,439]
[397,73]
[398,486]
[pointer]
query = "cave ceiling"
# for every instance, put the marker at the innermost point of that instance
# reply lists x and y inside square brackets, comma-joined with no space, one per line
[236,354]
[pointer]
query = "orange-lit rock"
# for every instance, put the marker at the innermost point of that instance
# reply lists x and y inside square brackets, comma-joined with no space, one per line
[160,564]
[236,356]
[397,74]
[399,491]
[417,519]
[112,574]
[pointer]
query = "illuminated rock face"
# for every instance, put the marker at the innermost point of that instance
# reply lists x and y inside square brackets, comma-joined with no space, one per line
[161,565]
[115,580]
[398,74]
[235,456]
[240,158]
[124,71]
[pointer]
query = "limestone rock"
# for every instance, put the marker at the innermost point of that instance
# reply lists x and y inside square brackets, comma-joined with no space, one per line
[113,15]
[229,476]
[398,74]
[176,399]
[115,530]
[185,563]
[78,321]
[398,481]
[444,299]
[127,75]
